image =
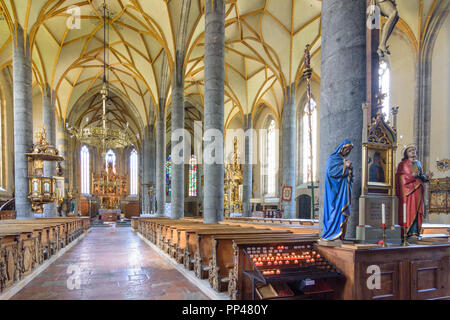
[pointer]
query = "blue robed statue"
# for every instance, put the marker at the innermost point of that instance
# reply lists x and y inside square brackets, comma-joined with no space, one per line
[338,186]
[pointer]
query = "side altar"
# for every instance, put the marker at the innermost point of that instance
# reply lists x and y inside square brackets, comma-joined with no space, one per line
[378,204]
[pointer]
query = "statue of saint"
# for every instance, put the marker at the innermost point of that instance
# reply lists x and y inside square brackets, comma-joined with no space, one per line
[338,186]
[388,9]
[409,185]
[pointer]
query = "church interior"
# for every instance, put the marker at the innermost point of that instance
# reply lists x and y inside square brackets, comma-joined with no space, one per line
[224,149]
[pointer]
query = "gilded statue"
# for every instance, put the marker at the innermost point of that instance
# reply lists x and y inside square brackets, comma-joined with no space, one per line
[388,9]
[233,179]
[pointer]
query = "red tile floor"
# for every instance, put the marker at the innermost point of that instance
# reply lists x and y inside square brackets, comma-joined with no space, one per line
[112,265]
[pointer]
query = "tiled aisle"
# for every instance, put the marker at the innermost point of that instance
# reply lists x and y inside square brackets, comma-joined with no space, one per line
[112,265]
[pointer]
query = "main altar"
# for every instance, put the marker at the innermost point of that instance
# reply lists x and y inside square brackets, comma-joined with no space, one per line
[110,188]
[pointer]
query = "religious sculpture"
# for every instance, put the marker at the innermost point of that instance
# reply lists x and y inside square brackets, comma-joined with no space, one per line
[410,180]
[388,9]
[233,179]
[109,187]
[338,185]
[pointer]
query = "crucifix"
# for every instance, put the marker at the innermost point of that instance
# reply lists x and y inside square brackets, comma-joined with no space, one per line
[376,46]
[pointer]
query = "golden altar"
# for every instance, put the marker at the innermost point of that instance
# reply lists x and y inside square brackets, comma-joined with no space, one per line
[109,187]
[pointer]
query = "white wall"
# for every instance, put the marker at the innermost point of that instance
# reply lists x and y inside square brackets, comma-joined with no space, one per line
[440,103]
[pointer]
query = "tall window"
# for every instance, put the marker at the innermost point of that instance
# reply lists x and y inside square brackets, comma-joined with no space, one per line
[193,176]
[134,172]
[384,81]
[307,143]
[169,176]
[111,158]
[85,171]
[271,159]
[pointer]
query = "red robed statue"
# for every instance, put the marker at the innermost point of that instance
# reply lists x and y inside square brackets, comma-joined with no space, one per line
[409,185]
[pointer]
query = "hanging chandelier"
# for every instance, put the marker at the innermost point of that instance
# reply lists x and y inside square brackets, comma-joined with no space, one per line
[106,138]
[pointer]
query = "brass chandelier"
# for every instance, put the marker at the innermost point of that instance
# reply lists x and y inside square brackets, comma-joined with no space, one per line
[107,138]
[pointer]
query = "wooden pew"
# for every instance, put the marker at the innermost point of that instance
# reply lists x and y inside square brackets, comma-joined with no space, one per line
[179,239]
[202,245]
[18,254]
[292,228]
[24,244]
[51,232]
[222,261]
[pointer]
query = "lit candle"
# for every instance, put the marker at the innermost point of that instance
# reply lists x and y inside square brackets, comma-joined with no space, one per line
[404,214]
[383,215]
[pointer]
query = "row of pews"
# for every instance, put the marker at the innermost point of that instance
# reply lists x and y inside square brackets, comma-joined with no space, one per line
[26,244]
[212,250]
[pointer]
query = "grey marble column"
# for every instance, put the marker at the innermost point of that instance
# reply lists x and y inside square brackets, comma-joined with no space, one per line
[214,106]
[177,142]
[62,144]
[152,164]
[288,149]
[23,121]
[48,116]
[343,90]
[160,165]
[248,168]
[145,171]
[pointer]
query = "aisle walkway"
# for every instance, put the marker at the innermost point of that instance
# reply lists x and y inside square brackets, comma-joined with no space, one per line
[113,266]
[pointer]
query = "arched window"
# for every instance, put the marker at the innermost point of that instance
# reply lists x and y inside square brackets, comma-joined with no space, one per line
[85,170]
[134,173]
[111,158]
[193,176]
[307,143]
[168,176]
[384,81]
[269,153]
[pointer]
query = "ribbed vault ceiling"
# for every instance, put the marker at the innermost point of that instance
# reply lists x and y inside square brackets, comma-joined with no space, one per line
[265,42]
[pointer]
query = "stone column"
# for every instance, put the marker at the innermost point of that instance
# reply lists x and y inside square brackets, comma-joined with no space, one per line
[48,115]
[288,150]
[160,164]
[147,168]
[178,141]
[23,121]
[343,89]
[214,107]
[62,144]
[152,163]
[248,168]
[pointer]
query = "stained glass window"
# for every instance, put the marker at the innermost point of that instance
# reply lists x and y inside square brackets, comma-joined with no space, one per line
[169,176]
[134,173]
[307,143]
[193,176]
[85,170]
